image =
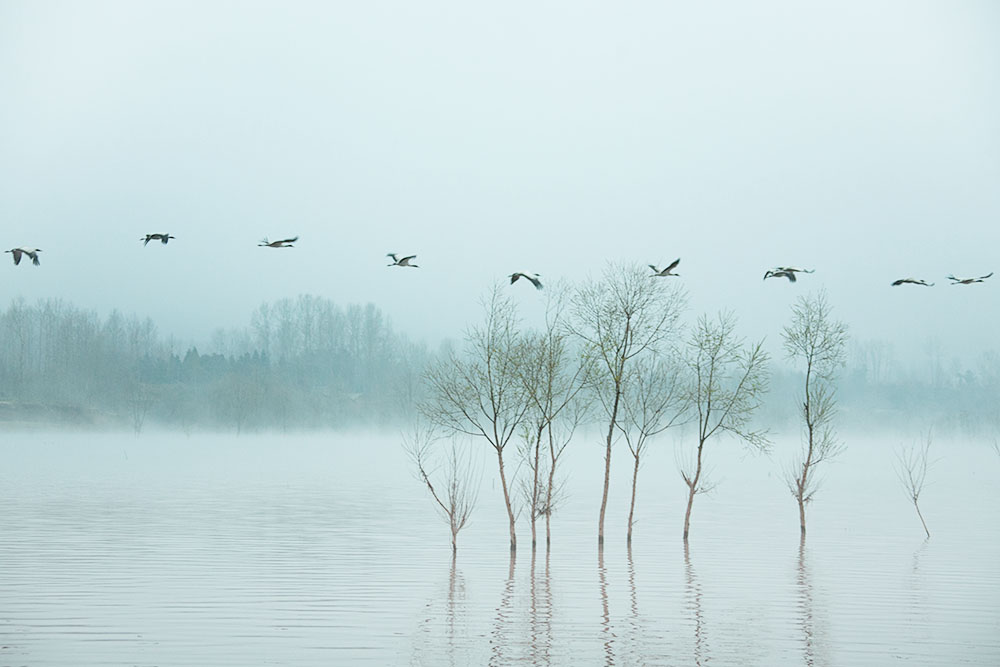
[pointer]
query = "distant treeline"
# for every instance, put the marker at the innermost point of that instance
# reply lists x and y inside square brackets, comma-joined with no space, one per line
[878,389]
[306,362]
[301,363]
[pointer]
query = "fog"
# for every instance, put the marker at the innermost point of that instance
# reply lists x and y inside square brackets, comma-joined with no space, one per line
[859,139]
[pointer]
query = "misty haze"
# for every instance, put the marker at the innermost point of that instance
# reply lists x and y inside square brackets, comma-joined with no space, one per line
[438,333]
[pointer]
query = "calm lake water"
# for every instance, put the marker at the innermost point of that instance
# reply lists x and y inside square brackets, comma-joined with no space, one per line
[323,549]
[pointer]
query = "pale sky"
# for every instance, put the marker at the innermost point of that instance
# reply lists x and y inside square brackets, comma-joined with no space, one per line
[859,138]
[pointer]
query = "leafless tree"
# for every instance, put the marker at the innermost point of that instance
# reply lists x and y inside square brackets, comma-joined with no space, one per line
[727,385]
[817,341]
[912,464]
[553,378]
[653,401]
[481,394]
[621,316]
[451,476]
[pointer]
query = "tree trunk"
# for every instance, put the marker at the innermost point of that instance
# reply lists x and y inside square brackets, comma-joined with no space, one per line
[922,519]
[535,491]
[631,507]
[693,490]
[506,499]
[802,515]
[607,463]
[549,490]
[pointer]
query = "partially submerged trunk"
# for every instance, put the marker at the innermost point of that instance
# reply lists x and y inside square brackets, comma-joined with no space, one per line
[631,507]
[607,462]
[549,489]
[692,490]
[535,489]
[506,499]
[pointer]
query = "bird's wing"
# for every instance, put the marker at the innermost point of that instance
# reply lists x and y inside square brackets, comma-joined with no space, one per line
[393,255]
[790,275]
[897,283]
[655,270]
[986,276]
[536,282]
[951,277]
[34,258]
[164,238]
[407,259]
[291,240]
[768,274]
[514,277]
[17,256]
[674,264]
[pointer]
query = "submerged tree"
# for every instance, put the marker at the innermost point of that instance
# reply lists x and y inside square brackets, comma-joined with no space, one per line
[654,401]
[728,383]
[623,315]
[455,489]
[553,378]
[819,343]
[481,393]
[912,464]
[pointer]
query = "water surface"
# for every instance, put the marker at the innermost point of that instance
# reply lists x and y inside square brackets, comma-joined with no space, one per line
[211,550]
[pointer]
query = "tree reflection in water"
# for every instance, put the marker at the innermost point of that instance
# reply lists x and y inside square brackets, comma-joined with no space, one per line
[693,594]
[500,642]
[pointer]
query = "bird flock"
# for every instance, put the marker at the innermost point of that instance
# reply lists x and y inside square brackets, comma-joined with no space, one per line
[406,261]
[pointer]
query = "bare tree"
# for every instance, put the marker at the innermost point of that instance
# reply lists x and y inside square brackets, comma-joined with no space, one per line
[728,383]
[654,401]
[456,489]
[912,464]
[620,317]
[553,380]
[482,393]
[819,343]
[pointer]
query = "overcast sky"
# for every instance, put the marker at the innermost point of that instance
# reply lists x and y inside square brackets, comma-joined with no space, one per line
[858,138]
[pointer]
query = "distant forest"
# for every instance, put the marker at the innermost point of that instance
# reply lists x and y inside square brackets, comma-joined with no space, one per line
[300,363]
[308,363]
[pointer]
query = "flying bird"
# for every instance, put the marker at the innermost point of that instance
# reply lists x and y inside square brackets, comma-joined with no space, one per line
[786,272]
[780,273]
[405,261]
[667,271]
[162,238]
[911,281]
[531,277]
[30,252]
[284,243]
[969,281]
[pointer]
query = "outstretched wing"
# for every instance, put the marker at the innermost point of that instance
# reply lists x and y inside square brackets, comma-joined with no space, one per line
[674,265]
[34,258]
[986,276]
[513,277]
[17,256]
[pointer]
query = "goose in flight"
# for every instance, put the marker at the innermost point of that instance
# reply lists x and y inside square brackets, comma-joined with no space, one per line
[405,261]
[284,243]
[531,277]
[30,252]
[162,238]
[657,273]
[911,281]
[969,281]
[780,273]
